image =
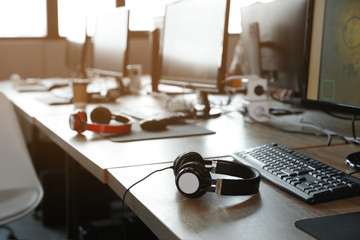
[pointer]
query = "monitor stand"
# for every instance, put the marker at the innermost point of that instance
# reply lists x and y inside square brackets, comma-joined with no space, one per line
[203,109]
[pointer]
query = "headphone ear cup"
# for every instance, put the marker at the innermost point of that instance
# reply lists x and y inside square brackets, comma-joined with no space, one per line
[193,180]
[185,158]
[83,116]
[101,115]
[78,121]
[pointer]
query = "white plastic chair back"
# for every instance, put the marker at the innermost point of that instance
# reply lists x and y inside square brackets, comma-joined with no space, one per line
[20,188]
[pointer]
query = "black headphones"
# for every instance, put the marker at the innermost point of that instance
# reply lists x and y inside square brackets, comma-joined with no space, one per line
[193,178]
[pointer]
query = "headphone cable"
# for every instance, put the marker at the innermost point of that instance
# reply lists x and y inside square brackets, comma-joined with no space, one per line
[127,190]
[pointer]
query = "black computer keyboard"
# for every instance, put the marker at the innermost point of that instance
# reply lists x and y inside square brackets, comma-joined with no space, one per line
[302,176]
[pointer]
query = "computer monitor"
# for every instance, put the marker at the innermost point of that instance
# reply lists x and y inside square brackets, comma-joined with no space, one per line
[334,67]
[74,59]
[75,41]
[109,43]
[193,46]
[273,37]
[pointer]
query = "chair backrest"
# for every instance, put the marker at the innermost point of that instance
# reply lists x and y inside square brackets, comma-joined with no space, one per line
[16,169]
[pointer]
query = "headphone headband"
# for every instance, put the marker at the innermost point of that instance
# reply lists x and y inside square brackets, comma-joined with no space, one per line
[78,122]
[248,182]
[109,129]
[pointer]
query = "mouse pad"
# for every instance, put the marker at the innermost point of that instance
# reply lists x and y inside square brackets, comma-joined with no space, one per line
[178,130]
[342,226]
[53,100]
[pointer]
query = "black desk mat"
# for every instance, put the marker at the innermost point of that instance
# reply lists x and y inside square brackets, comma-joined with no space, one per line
[172,131]
[342,226]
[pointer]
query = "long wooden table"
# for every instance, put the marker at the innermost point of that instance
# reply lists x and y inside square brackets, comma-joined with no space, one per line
[97,154]
[269,214]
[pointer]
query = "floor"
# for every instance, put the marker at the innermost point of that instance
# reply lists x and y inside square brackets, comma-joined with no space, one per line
[115,227]
[29,228]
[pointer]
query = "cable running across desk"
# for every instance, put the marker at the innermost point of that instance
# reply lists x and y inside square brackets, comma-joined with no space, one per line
[306,178]
[322,131]
[127,190]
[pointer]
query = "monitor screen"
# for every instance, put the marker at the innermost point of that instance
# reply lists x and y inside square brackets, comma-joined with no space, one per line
[74,59]
[75,49]
[109,43]
[273,39]
[193,44]
[334,69]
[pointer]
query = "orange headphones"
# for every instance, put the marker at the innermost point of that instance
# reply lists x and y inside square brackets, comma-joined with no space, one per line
[100,117]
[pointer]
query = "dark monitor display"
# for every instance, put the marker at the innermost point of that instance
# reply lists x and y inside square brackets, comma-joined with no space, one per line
[273,39]
[109,43]
[74,59]
[334,69]
[193,44]
[75,49]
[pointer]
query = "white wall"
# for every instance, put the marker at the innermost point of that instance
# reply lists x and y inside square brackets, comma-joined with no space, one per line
[140,53]
[44,58]
[32,58]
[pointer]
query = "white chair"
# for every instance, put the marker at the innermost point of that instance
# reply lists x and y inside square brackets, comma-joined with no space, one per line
[20,188]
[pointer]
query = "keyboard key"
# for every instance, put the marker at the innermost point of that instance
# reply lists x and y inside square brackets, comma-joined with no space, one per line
[288,172]
[303,186]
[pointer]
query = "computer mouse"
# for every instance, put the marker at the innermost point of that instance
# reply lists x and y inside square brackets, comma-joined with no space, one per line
[153,125]
[353,160]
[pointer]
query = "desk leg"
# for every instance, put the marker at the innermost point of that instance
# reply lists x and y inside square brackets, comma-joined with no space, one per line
[87,199]
[71,199]
[34,139]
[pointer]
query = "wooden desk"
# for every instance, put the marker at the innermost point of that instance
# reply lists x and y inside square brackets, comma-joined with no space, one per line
[334,156]
[28,105]
[270,214]
[97,154]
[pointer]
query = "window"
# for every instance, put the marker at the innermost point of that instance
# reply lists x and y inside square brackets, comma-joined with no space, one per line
[235,14]
[143,12]
[76,16]
[28,18]
[23,18]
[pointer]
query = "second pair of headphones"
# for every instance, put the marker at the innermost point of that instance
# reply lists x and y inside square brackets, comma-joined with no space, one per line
[100,117]
[193,178]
